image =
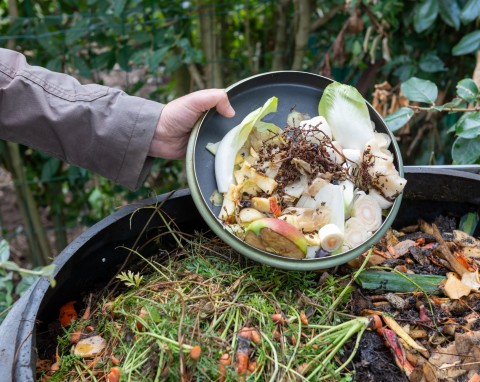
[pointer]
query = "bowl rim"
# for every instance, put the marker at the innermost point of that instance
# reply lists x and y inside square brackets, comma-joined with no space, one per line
[265,257]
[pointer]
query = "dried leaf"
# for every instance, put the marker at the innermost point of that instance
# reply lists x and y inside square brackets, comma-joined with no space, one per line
[446,356]
[471,279]
[465,240]
[425,227]
[403,247]
[454,288]
[469,344]
[444,252]
[472,252]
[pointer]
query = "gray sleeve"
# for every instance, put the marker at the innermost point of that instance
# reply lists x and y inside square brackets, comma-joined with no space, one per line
[92,126]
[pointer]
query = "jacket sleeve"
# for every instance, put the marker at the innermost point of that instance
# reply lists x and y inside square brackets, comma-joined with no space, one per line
[91,126]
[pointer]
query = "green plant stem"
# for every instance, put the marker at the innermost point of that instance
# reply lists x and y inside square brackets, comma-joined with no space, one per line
[352,355]
[338,300]
[149,333]
[275,357]
[447,109]
[357,326]
[295,349]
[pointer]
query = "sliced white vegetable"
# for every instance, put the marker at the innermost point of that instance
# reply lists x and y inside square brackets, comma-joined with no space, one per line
[383,140]
[248,173]
[352,155]
[294,118]
[320,126]
[234,140]
[248,215]
[212,147]
[291,219]
[382,169]
[248,187]
[335,153]
[312,251]
[348,188]
[261,204]
[355,232]
[229,204]
[331,237]
[331,196]
[306,201]
[309,219]
[297,188]
[312,239]
[346,112]
[216,198]
[382,202]
[316,185]
[368,211]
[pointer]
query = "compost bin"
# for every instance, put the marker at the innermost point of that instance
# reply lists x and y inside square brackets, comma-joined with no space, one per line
[91,260]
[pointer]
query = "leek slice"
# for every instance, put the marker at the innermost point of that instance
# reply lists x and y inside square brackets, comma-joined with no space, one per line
[331,238]
[234,140]
[368,211]
[347,114]
[355,232]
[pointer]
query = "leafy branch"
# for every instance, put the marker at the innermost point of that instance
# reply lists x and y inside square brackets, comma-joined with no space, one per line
[466,148]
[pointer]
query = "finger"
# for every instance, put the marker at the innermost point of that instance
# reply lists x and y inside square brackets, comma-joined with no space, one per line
[224,107]
[204,100]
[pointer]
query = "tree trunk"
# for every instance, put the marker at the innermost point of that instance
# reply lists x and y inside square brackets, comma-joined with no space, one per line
[37,240]
[303,12]
[210,39]
[281,21]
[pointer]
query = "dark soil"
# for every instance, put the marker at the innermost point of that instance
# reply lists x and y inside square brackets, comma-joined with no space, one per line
[373,362]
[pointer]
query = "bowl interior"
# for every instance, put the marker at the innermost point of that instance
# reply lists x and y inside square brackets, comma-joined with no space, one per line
[299,90]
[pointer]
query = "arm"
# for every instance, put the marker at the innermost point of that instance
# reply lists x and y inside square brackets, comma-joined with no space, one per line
[92,126]
[96,127]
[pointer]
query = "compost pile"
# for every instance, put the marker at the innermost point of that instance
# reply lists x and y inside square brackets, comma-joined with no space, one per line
[407,310]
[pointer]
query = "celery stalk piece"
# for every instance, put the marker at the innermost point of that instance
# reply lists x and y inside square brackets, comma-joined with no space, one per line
[346,112]
[234,140]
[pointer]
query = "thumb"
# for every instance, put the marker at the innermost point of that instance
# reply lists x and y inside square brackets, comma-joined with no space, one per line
[204,100]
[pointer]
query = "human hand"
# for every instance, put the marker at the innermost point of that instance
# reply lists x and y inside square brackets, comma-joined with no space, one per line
[178,118]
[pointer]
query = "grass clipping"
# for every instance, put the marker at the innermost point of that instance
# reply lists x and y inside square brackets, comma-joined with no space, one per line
[205,314]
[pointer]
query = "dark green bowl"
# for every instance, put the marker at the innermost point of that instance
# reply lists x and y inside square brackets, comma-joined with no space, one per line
[292,88]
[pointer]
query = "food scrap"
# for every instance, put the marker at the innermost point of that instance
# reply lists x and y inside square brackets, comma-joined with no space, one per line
[327,178]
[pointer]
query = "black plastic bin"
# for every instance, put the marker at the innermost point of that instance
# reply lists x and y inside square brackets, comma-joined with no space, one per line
[94,257]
